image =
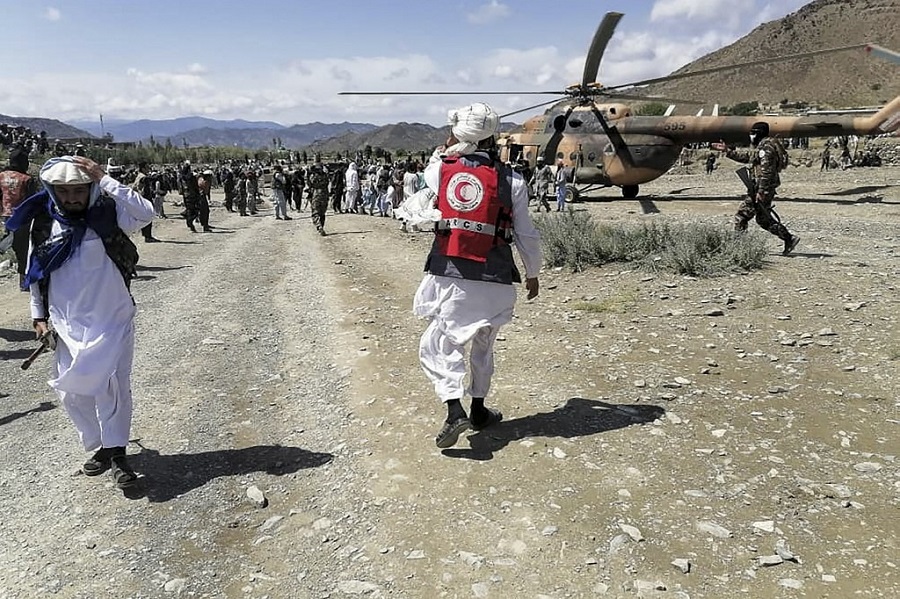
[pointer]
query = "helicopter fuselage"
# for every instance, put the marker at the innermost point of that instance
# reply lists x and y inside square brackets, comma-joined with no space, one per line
[630,150]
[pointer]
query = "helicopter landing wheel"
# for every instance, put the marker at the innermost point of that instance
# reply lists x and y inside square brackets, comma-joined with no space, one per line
[630,191]
[572,194]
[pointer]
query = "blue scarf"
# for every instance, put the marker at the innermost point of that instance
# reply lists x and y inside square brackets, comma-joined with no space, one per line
[53,253]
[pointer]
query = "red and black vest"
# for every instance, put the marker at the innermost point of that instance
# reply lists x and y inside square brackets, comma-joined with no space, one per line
[14,188]
[472,239]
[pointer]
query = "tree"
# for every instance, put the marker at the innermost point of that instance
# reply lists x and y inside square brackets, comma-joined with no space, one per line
[651,109]
[743,109]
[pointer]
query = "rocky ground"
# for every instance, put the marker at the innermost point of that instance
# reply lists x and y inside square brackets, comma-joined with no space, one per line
[663,436]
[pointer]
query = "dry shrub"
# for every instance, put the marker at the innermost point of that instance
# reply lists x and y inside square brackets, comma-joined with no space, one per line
[574,240]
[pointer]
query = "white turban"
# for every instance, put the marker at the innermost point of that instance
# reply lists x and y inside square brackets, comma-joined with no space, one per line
[64,172]
[470,125]
[473,123]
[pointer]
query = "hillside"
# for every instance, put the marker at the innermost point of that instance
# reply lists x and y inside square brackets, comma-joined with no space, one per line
[293,137]
[54,128]
[405,136]
[843,79]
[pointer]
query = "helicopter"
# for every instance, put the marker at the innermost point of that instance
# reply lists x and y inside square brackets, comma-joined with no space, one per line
[601,142]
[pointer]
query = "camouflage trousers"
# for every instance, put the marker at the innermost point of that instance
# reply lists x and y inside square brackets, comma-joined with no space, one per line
[319,206]
[765,217]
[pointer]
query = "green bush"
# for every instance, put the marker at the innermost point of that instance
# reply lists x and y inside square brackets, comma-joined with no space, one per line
[574,240]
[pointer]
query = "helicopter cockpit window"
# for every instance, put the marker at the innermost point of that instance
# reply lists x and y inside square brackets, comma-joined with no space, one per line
[575,123]
[608,149]
[612,111]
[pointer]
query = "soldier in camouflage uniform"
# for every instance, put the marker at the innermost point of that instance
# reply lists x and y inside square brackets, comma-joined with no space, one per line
[317,180]
[766,159]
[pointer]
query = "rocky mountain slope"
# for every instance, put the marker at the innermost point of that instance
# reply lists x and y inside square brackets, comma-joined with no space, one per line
[844,79]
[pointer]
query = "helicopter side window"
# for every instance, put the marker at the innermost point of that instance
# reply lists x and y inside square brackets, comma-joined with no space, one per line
[559,123]
[573,156]
[560,155]
[591,156]
[575,123]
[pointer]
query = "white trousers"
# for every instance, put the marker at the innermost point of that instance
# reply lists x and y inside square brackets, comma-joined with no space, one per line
[102,420]
[444,362]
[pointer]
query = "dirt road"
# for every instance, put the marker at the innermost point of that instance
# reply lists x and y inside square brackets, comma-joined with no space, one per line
[663,436]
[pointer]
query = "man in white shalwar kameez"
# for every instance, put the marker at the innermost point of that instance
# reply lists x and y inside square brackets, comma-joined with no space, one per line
[467,292]
[83,294]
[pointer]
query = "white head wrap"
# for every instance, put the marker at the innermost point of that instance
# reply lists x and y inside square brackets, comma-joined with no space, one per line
[470,125]
[64,173]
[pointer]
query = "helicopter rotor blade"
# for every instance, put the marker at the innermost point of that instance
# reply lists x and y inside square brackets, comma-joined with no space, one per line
[453,93]
[509,114]
[734,66]
[614,137]
[638,98]
[598,46]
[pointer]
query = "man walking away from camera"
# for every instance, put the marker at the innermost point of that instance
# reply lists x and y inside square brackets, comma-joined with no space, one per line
[79,271]
[767,157]
[143,184]
[16,185]
[467,292]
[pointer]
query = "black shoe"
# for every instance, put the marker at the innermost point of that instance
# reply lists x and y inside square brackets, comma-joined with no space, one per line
[207,230]
[122,474]
[482,420]
[151,240]
[450,432]
[192,228]
[790,244]
[99,462]
[288,218]
[278,218]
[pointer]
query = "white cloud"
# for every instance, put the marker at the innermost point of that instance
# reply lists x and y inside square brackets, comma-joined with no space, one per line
[487,13]
[52,14]
[719,11]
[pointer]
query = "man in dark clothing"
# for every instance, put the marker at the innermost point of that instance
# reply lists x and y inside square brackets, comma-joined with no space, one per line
[766,159]
[16,185]
[143,184]
[190,191]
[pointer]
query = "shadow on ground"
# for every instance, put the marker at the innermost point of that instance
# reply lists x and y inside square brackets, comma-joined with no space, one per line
[166,477]
[14,336]
[41,407]
[579,417]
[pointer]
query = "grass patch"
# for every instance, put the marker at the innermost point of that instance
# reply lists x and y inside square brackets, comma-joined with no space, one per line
[575,240]
[619,304]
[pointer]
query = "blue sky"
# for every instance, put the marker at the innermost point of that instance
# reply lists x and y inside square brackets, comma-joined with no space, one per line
[285,60]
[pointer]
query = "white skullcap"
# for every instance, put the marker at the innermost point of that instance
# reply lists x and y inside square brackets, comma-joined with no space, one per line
[64,172]
[473,123]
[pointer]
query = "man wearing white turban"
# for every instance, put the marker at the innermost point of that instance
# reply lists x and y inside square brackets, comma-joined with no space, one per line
[467,291]
[79,279]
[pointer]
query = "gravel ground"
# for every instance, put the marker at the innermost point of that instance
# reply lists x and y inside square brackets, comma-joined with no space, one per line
[663,436]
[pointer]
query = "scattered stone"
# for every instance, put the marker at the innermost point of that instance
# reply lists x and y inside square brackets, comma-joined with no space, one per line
[356,587]
[711,528]
[416,554]
[257,496]
[791,583]
[769,560]
[632,532]
[765,525]
[558,453]
[176,585]
[867,467]
[549,531]
[682,564]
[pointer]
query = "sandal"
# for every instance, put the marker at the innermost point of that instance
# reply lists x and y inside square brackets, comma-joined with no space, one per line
[122,474]
[491,418]
[450,432]
[98,463]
